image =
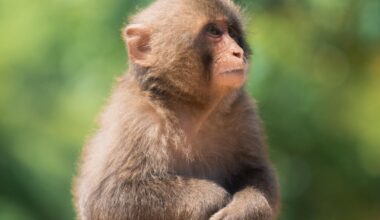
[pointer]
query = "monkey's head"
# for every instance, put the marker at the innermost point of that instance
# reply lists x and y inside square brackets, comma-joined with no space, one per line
[188,49]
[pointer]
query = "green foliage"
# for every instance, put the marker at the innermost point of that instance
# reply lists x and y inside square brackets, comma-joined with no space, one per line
[315,73]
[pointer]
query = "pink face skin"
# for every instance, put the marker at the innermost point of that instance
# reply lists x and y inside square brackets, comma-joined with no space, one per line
[230,65]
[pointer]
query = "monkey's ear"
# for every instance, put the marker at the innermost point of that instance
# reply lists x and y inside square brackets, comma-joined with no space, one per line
[137,38]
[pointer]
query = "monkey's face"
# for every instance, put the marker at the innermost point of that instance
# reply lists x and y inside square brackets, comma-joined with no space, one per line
[229,61]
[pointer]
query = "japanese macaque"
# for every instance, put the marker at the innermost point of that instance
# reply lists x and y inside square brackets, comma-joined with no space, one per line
[180,138]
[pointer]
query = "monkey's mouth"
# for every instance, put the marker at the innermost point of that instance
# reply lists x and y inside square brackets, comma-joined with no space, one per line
[234,71]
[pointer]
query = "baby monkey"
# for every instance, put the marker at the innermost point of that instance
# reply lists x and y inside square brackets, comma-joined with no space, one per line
[180,138]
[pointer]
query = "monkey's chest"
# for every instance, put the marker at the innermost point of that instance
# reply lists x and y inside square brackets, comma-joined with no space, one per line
[211,159]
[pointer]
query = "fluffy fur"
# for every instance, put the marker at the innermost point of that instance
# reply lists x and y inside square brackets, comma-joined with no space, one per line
[147,162]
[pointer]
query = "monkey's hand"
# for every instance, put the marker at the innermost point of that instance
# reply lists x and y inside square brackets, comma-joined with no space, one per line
[247,204]
[201,199]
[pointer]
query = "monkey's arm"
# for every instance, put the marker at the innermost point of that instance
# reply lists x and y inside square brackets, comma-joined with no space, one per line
[256,196]
[167,198]
[254,188]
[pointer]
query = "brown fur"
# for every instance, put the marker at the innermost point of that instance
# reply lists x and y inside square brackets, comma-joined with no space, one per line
[168,146]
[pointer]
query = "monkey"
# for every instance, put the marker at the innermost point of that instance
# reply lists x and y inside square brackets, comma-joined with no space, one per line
[180,138]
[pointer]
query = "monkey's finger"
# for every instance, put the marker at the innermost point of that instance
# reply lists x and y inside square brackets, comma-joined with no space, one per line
[220,215]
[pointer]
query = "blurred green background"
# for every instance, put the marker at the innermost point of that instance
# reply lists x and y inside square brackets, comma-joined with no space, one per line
[315,73]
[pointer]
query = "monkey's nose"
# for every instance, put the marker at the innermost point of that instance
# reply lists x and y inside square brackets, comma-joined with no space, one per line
[238,52]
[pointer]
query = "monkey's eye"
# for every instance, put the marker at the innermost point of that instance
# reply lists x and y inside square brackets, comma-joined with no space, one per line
[214,31]
[233,33]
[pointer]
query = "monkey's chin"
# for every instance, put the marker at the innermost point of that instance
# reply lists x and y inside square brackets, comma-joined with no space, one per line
[232,79]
